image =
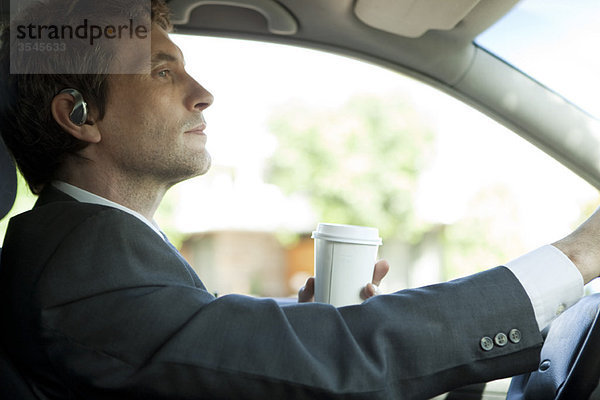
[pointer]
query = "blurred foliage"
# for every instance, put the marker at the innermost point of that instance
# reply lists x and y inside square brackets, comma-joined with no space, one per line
[357,164]
[588,209]
[24,202]
[165,218]
[488,235]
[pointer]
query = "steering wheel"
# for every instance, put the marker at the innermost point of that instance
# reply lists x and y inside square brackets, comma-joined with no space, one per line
[570,358]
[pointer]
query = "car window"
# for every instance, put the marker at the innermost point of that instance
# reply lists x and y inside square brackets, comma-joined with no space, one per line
[554,42]
[299,137]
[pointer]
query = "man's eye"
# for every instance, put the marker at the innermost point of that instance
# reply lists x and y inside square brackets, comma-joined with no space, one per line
[163,73]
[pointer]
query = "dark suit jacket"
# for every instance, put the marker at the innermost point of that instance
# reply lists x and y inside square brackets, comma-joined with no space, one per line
[94,305]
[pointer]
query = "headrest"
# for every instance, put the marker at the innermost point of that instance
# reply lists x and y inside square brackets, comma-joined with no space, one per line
[8,181]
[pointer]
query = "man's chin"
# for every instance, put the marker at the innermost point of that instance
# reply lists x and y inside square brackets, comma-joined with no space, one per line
[202,166]
[206,164]
[189,170]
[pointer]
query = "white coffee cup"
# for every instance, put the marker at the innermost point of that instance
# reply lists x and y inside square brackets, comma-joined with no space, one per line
[344,259]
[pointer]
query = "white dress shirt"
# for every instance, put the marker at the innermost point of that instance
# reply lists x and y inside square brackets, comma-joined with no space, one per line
[551,280]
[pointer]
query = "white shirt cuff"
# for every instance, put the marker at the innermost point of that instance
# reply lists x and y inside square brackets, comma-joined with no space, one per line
[551,281]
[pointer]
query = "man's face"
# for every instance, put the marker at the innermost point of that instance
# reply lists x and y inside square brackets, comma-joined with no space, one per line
[153,126]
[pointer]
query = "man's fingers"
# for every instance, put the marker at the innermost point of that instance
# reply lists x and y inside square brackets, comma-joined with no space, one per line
[381,269]
[379,272]
[306,293]
[369,291]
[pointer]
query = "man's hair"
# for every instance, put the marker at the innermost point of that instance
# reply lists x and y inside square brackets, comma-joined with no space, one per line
[37,142]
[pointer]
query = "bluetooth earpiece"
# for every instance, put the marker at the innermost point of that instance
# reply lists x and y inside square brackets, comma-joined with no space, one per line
[79,113]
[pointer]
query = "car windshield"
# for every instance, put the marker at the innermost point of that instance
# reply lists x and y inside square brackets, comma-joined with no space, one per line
[554,42]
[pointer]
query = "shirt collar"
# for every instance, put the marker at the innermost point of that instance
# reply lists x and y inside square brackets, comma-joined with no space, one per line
[84,196]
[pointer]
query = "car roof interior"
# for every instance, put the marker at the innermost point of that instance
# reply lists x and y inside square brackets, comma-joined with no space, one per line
[429,40]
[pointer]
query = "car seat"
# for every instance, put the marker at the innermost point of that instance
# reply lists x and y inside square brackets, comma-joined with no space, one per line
[12,384]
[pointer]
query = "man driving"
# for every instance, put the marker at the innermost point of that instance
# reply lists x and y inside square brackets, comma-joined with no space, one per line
[96,303]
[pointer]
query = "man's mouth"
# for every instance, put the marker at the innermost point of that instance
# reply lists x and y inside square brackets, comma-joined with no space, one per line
[199,130]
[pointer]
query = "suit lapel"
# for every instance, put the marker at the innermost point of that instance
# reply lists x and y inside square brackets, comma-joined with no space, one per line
[187,266]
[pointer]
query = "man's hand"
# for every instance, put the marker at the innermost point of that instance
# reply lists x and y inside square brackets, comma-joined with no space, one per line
[307,292]
[583,247]
[379,272]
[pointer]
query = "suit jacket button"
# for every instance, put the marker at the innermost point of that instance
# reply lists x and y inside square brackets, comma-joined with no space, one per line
[514,335]
[487,343]
[500,339]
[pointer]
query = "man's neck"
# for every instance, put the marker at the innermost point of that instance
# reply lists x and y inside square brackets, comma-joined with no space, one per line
[140,195]
[84,196]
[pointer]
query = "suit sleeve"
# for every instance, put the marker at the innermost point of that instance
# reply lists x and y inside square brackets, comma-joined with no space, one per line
[121,318]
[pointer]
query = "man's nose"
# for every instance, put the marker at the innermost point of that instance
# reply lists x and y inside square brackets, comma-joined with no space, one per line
[200,98]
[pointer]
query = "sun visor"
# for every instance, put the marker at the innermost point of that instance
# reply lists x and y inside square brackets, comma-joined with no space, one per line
[412,18]
[279,20]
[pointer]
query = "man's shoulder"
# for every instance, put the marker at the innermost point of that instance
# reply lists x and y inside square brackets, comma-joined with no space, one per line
[61,215]
[49,224]
[76,236]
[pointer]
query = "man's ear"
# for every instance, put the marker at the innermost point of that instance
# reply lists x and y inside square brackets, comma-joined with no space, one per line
[61,107]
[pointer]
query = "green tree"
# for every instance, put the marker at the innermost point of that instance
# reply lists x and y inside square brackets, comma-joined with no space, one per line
[489,234]
[357,164]
[24,202]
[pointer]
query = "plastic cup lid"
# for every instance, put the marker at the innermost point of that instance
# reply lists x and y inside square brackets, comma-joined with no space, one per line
[347,234]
